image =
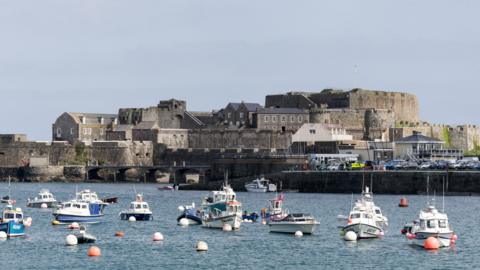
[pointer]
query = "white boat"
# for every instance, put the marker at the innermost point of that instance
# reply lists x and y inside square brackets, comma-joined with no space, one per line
[44,198]
[260,185]
[366,219]
[222,208]
[432,223]
[280,221]
[85,208]
[139,209]
[293,223]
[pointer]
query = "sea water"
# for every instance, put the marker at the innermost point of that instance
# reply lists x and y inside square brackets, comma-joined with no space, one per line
[252,247]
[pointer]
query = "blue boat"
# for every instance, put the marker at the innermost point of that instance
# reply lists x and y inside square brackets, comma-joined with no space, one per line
[12,221]
[190,213]
[86,208]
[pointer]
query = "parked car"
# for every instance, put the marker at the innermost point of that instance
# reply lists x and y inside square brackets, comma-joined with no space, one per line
[428,165]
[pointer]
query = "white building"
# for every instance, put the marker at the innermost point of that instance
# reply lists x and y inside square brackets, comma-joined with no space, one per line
[311,133]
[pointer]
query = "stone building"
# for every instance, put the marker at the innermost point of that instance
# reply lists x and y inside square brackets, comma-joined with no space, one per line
[404,105]
[280,119]
[167,114]
[238,114]
[11,138]
[150,131]
[83,127]
[120,133]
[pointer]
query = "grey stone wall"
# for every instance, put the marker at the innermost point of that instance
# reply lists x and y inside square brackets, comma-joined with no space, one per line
[242,138]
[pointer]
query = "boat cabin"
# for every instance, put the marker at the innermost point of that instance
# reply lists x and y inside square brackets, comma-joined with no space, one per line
[87,196]
[44,195]
[75,205]
[360,215]
[298,217]
[10,213]
[431,219]
[139,205]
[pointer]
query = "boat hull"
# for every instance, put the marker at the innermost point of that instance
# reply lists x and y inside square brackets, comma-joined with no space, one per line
[364,231]
[137,216]
[13,228]
[63,218]
[256,189]
[444,238]
[84,238]
[39,204]
[192,220]
[291,227]
[234,220]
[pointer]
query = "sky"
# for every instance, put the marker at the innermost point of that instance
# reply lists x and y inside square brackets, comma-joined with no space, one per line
[101,55]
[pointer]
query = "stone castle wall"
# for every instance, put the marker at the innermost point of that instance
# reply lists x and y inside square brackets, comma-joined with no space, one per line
[243,138]
[465,137]
[361,123]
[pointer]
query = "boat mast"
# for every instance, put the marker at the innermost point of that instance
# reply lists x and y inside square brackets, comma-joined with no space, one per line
[443,194]
[428,198]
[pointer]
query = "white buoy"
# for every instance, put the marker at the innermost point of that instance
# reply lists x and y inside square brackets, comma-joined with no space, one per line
[350,236]
[44,206]
[183,222]
[157,237]
[3,235]
[227,227]
[132,219]
[71,240]
[27,222]
[74,226]
[202,246]
[298,234]
[264,222]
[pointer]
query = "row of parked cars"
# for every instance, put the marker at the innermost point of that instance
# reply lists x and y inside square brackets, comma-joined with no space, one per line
[464,164]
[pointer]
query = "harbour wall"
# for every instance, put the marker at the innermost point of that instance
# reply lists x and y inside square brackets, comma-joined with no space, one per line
[383,182]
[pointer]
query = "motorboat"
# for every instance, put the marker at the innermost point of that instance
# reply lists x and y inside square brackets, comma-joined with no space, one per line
[250,217]
[190,213]
[432,223]
[293,223]
[12,222]
[222,208]
[139,209]
[274,209]
[366,219]
[44,199]
[85,208]
[83,237]
[5,199]
[260,185]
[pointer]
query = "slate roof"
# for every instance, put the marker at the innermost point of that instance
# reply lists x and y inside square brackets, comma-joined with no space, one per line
[281,111]
[418,138]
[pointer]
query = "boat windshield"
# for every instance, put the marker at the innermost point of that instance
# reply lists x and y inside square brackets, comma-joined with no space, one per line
[355,216]
[378,212]
[432,224]
[9,216]
[19,216]
[145,206]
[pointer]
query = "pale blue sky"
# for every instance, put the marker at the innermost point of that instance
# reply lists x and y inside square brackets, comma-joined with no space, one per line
[99,55]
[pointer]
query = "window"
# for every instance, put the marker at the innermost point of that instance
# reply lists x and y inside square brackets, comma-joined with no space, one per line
[274,118]
[241,115]
[300,119]
[431,224]
[292,118]
[71,131]
[442,224]
[284,118]
[266,119]
[313,131]
[59,132]
[229,115]
[101,131]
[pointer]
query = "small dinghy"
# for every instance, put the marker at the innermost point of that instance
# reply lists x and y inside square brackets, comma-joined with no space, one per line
[252,217]
[110,200]
[190,213]
[83,237]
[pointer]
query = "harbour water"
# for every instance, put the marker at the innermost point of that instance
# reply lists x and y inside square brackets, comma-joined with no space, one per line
[253,247]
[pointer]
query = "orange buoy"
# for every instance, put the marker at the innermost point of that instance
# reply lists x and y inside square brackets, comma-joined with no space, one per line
[119,234]
[431,243]
[403,202]
[94,252]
